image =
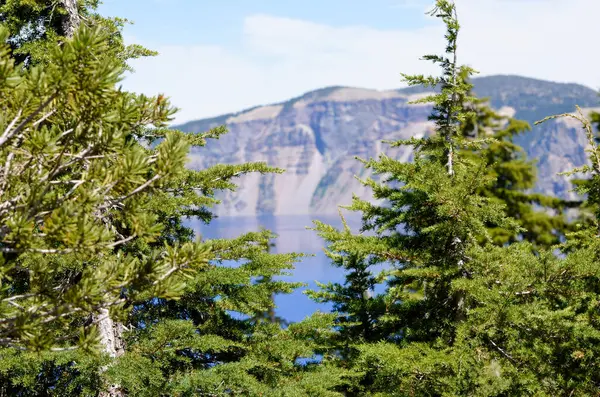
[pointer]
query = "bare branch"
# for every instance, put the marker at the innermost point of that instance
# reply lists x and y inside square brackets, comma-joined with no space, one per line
[4,136]
[15,297]
[503,352]
[67,182]
[8,134]
[63,349]
[588,132]
[121,242]
[141,187]
[6,172]
[10,250]
[44,117]
[67,132]
[72,190]
[169,273]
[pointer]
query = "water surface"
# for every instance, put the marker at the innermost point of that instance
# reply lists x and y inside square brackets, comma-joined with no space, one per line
[292,237]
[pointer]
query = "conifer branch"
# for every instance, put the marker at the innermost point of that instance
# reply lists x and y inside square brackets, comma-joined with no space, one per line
[139,188]
[589,133]
[503,352]
[8,134]
[8,129]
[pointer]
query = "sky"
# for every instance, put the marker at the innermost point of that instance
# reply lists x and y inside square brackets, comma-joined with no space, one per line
[222,56]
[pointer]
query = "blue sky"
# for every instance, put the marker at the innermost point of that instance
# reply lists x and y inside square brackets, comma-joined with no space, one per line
[221,56]
[221,22]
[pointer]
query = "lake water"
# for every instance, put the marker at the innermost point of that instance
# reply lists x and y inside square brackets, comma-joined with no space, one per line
[292,237]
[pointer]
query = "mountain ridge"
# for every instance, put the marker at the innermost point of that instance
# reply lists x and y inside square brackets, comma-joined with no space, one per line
[492,80]
[315,137]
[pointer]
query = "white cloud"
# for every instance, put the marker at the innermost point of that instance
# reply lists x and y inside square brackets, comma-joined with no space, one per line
[281,58]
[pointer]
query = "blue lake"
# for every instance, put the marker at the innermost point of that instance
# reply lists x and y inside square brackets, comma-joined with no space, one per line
[292,237]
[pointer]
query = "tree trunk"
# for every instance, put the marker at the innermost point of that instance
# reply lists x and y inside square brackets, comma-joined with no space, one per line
[71,21]
[111,333]
[111,337]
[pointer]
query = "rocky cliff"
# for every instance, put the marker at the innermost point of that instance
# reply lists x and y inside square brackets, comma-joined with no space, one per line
[316,136]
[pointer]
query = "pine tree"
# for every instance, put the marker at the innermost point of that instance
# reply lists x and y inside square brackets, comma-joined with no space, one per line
[73,191]
[36,26]
[165,333]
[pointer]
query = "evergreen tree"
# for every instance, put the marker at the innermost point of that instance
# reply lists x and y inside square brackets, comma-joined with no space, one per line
[180,319]
[434,215]
[533,320]
[462,316]
[541,217]
[595,121]
[357,307]
[589,209]
[36,26]
[74,191]
[269,315]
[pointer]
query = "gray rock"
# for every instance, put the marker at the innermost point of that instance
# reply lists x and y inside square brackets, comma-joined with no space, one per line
[316,137]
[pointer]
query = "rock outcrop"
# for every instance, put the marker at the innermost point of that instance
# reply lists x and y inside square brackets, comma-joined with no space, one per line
[317,136]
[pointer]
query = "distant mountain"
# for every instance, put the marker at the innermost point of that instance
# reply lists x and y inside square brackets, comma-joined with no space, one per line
[316,136]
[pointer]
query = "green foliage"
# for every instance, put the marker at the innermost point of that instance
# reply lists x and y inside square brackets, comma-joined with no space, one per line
[94,197]
[535,318]
[540,216]
[73,373]
[434,213]
[463,312]
[356,307]
[267,362]
[35,27]
[588,186]
[94,194]
[74,191]
[432,216]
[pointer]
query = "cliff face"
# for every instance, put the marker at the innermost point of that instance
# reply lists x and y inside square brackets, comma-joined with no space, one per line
[316,137]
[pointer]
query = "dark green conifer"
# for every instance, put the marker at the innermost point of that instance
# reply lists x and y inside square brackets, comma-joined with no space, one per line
[434,214]
[464,316]
[357,306]
[533,320]
[541,217]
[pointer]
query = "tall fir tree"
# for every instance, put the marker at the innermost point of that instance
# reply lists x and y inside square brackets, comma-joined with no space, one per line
[357,307]
[588,212]
[534,320]
[434,214]
[462,317]
[362,312]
